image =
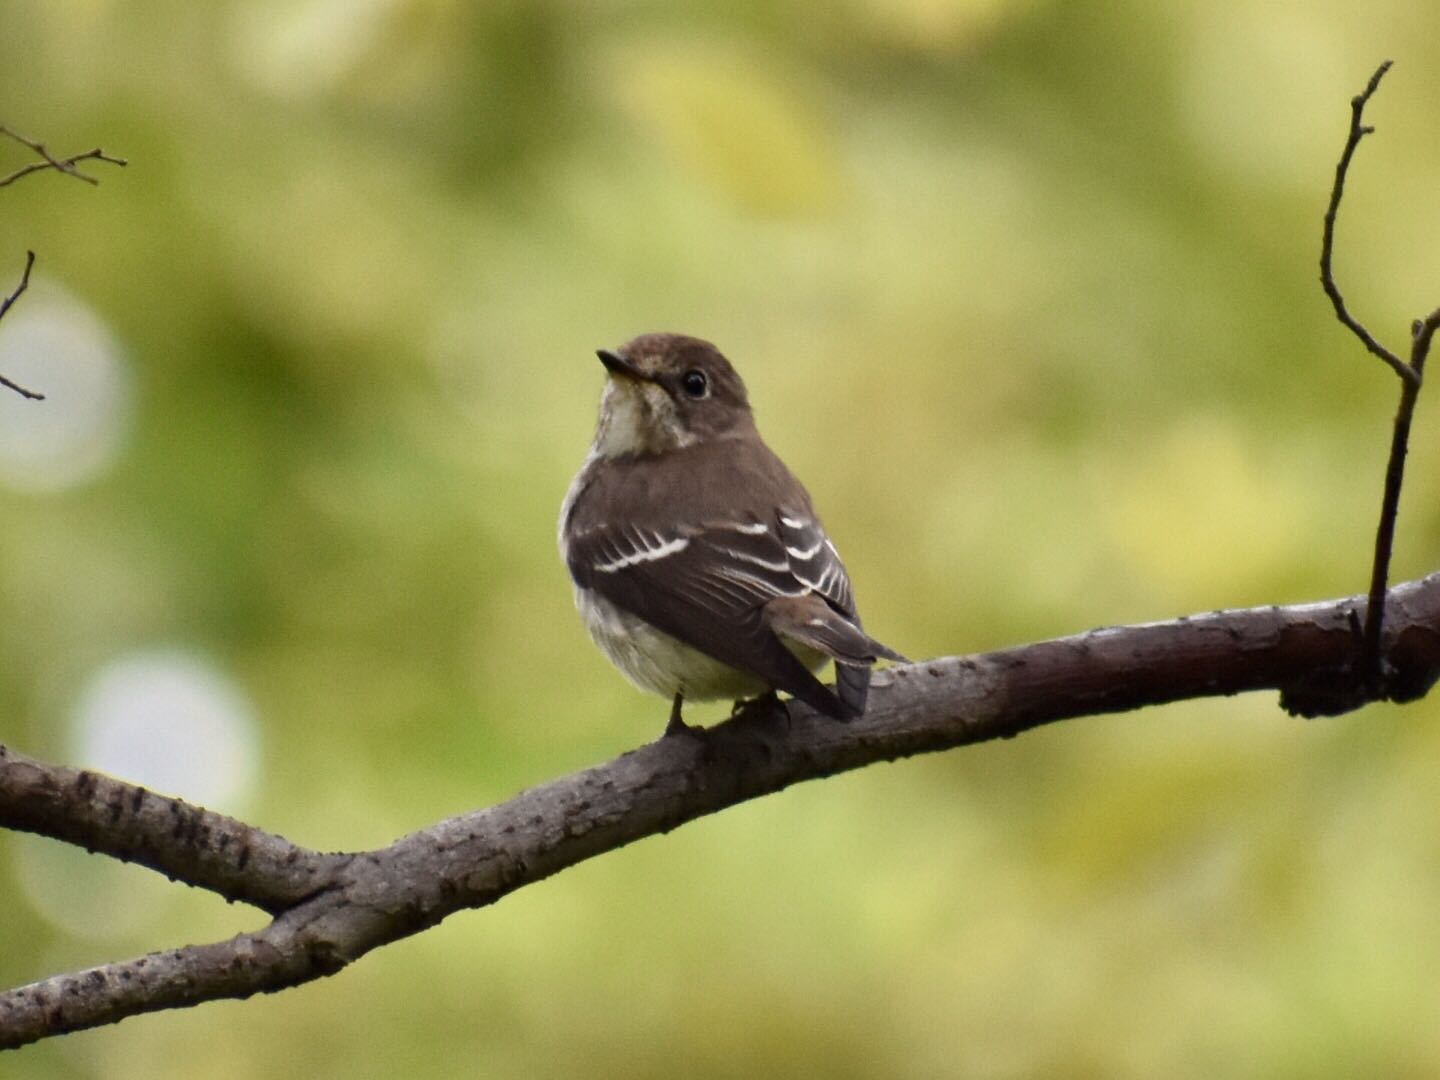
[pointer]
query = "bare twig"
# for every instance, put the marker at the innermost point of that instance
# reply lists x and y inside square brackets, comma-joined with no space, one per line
[24,284]
[1371,667]
[64,165]
[48,161]
[344,906]
[1358,130]
[1372,661]
[5,307]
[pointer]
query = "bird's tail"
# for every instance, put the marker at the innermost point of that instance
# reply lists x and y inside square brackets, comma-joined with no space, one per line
[811,622]
[852,686]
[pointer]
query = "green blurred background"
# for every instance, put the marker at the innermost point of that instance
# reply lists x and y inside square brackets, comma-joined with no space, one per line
[1024,290]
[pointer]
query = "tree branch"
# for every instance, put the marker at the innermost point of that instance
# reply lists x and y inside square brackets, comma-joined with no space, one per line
[1363,679]
[183,842]
[365,900]
[48,161]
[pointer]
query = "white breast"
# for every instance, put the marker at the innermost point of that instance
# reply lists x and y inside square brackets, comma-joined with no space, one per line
[656,662]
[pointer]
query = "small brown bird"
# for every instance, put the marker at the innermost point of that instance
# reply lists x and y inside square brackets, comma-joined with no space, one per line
[700,567]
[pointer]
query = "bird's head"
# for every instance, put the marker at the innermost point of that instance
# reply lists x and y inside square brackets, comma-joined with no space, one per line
[667,392]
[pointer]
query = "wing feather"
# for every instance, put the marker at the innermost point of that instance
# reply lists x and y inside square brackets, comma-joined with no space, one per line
[708,585]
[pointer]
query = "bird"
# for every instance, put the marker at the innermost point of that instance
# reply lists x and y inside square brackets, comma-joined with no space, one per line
[700,567]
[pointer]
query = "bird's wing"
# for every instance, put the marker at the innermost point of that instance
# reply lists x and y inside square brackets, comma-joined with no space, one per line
[731,589]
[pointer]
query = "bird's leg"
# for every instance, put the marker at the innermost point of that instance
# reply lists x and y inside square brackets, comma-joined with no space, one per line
[677,725]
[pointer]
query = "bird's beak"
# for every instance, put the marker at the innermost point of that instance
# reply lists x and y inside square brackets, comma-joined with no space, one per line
[618,365]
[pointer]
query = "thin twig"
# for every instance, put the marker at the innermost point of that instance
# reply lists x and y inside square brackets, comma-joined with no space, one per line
[1422,332]
[5,307]
[1371,669]
[24,284]
[1358,131]
[64,165]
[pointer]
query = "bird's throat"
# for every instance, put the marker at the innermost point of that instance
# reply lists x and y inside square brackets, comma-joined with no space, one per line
[638,418]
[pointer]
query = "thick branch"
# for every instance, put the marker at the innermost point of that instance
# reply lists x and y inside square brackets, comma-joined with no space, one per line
[473,860]
[183,842]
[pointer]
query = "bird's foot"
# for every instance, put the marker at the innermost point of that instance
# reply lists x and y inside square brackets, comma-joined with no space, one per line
[679,729]
[767,708]
[677,725]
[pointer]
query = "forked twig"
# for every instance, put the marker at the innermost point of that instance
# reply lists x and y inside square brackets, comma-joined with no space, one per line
[64,165]
[48,161]
[1372,669]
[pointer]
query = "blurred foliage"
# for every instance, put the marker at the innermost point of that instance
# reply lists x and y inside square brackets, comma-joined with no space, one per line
[1024,290]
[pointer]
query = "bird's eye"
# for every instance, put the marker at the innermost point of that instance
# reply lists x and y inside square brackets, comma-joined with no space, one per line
[694,383]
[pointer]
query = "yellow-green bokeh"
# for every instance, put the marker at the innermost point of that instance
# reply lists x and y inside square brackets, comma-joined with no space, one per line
[1024,290]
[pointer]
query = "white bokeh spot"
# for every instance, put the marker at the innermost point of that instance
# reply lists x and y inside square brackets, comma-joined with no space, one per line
[169,721]
[54,344]
[299,49]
